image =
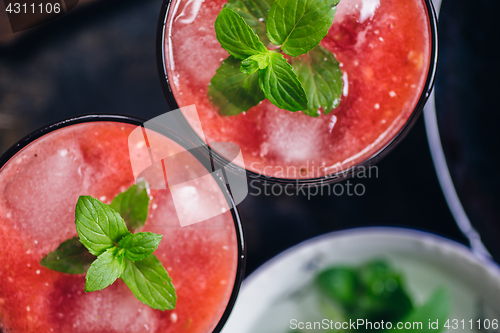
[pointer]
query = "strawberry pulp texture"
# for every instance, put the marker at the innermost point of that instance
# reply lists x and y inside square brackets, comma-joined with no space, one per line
[384,49]
[39,188]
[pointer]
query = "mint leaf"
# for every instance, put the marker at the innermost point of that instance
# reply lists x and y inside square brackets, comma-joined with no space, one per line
[71,257]
[139,246]
[339,284]
[132,205]
[105,269]
[384,295]
[437,307]
[254,12]
[374,291]
[299,25]
[98,225]
[150,283]
[232,91]
[252,64]
[281,86]
[320,75]
[235,36]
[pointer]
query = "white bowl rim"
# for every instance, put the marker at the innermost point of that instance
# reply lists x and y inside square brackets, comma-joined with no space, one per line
[442,242]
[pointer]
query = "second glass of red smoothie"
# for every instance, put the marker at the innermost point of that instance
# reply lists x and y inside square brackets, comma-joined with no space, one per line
[41,179]
[387,50]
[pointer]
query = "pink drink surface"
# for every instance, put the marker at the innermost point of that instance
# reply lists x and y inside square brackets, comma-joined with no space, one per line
[384,50]
[39,188]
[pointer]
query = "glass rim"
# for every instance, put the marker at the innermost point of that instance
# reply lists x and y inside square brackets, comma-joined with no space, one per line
[326,179]
[240,238]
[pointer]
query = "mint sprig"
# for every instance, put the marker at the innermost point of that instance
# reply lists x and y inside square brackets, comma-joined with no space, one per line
[281,85]
[232,90]
[150,283]
[103,232]
[258,61]
[254,12]
[105,270]
[117,258]
[70,257]
[298,26]
[236,37]
[295,26]
[139,246]
[98,225]
[320,75]
[277,79]
[132,205]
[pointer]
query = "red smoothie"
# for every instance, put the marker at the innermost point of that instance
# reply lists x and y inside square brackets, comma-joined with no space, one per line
[384,50]
[39,188]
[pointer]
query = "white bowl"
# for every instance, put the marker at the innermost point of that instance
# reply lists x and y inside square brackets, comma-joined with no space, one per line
[277,292]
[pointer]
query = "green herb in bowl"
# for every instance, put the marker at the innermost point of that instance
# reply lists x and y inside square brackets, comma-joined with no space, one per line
[375,297]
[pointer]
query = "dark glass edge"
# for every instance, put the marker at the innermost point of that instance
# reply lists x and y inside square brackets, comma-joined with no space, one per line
[240,234]
[329,179]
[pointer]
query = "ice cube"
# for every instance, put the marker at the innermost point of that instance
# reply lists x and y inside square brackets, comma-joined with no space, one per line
[292,136]
[192,38]
[41,190]
[362,9]
[114,309]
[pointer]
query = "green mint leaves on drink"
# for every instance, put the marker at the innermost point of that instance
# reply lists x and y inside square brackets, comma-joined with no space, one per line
[139,246]
[258,61]
[243,28]
[133,205]
[104,232]
[254,12]
[70,257]
[118,260]
[236,37]
[99,226]
[150,282]
[232,90]
[299,25]
[105,270]
[320,75]
[281,86]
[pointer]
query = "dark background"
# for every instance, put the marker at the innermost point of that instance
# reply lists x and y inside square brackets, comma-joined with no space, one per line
[467,91]
[101,59]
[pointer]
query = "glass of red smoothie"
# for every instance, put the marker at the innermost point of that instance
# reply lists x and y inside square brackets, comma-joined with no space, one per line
[387,51]
[41,178]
